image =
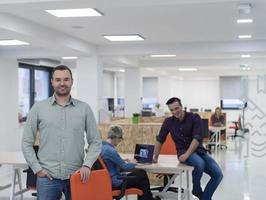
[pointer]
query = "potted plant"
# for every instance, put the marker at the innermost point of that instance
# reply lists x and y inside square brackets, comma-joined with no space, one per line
[135,118]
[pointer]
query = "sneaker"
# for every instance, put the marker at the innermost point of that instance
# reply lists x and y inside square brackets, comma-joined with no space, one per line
[198,195]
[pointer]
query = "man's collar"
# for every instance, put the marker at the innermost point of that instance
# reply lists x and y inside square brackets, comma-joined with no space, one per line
[71,101]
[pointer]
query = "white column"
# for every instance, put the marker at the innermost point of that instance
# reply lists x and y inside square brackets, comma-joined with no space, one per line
[132,91]
[115,90]
[9,133]
[89,76]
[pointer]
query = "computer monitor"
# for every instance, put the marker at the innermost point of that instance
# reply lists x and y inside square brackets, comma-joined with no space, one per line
[233,104]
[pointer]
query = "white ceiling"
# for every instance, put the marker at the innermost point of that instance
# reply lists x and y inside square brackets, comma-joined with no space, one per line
[203,33]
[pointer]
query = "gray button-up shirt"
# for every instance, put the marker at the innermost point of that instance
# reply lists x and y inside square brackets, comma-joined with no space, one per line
[61,130]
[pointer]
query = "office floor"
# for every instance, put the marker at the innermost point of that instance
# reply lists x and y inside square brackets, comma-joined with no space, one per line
[244,175]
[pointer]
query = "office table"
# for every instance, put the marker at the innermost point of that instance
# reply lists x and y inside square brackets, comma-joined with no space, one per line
[167,164]
[16,161]
[217,135]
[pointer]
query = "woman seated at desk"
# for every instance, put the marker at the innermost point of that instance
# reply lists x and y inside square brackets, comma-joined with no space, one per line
[218,120]
[115,164]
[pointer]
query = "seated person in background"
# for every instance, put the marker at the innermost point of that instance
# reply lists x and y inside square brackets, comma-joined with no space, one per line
[217,118]
[115,165]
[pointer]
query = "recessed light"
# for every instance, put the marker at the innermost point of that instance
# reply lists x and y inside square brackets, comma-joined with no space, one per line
[245,56]
[245,36]
[244,21]
[69,57]
[80,12]
[122,38]
[163,55]
[121,70]
[188,69]
[246,68]
[12,42]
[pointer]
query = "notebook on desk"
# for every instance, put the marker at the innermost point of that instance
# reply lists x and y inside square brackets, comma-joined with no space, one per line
[144,153]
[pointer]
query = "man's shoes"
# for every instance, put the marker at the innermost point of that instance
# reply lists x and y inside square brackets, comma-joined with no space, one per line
[198,195]
[156,198]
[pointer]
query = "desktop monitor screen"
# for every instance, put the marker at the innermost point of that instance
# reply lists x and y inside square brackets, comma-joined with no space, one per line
[233,104]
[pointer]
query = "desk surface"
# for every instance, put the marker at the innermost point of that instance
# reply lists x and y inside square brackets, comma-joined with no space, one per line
[217,128]
[13,158]
[166,164]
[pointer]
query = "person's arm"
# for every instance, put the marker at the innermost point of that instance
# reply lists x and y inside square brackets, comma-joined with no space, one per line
[157,150]
[28,138]
[197,138]
[160,139]
[192,147]
[114,157]
[93,139]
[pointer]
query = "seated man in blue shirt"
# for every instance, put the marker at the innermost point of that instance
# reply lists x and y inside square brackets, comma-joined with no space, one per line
[186,131]
[116,165]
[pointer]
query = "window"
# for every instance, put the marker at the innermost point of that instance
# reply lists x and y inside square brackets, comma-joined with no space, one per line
[33,86]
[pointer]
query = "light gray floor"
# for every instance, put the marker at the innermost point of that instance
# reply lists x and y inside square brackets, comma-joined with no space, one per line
[244,175]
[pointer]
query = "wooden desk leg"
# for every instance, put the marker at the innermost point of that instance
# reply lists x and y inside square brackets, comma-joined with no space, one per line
[180,186]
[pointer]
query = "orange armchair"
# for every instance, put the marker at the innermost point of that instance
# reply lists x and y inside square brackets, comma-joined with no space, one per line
[118,194]
[99,185]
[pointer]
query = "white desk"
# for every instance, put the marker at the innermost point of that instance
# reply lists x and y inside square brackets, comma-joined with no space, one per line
[16,161]
[217,135]
[168,164]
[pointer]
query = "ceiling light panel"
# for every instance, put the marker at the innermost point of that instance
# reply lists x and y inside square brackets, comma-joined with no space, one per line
[245,36]
[69,57]
[123,38]
[245,56]
[188,69]
[12,42]
[163,55]
[244,21]
[80,12]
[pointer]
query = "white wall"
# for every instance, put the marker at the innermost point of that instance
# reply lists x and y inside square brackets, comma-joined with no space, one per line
[10,132]
[120,85]
[108,84]
[150,87]
[133,85]
[194,92]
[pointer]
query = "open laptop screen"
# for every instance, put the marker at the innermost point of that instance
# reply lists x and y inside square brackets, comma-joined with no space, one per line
[144,153]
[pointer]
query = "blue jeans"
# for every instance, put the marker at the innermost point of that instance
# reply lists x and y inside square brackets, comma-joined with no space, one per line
[52,189]
[204,163]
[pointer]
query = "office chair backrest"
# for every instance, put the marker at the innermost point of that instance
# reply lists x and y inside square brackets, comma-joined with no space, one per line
[98,187]
[168,147]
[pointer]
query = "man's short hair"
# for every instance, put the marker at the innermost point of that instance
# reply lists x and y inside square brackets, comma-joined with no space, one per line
[115,131]
[61,68]
[174,99]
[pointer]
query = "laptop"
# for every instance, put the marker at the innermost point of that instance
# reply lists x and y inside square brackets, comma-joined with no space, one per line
[144,153]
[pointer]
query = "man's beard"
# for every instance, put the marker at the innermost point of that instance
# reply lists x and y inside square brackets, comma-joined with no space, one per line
[62,94]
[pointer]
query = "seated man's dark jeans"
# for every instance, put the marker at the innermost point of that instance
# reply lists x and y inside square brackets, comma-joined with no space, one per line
[141,182]
[204,163]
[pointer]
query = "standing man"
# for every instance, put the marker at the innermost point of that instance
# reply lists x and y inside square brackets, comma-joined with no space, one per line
[61,122]
[186,131]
